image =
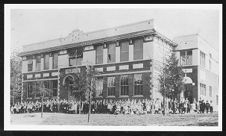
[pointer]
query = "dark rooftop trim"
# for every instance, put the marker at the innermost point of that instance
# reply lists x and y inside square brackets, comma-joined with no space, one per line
[96,41]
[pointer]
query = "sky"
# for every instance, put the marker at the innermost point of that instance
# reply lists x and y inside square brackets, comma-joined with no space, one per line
[36,25]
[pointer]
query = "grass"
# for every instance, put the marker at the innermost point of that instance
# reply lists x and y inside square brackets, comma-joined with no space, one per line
[116,120]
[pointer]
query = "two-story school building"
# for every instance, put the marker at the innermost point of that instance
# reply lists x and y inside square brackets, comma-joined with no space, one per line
[129,59]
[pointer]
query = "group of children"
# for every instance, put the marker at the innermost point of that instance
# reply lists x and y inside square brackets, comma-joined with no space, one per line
[139,106]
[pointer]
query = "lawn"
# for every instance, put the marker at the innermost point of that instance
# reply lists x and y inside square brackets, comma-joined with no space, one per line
[116,120]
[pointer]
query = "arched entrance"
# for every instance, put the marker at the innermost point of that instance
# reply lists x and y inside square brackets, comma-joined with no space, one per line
[188,87]
[68,84]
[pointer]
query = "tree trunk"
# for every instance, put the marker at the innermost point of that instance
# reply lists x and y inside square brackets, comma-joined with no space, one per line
[89,106]
[42,106]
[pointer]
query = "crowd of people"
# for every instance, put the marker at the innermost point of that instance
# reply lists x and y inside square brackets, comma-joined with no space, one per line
[139,106]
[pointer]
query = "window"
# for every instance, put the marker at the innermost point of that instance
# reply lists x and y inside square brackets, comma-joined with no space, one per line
[99,87]
[186,57]
[99,55]
[124,85]
[38,63]
[29,90]
[55,60]
[30,65]
[47,93]
[203,89]
[75,56]
[111,86]
[217,99]
[55,87]
[138,49]
[210,65]
[111,52]
[46,61]
[124,51]
[210,91]
[202,59]
[138,84]
[36,88]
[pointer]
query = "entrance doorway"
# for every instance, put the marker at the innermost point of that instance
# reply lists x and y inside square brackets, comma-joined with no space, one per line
[68,84]
[188,92]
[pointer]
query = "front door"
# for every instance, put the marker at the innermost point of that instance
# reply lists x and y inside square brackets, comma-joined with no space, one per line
[188,92]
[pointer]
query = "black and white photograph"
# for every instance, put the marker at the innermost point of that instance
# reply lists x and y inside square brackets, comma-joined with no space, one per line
[113,67]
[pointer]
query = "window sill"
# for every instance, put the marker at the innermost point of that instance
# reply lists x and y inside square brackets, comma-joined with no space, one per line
[110,96]
[138,96]
[124,96]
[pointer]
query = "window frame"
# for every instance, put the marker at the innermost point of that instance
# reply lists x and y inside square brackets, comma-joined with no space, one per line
[210,91]
[55,89]
[111,87]
[123,52]
[102,87]
[30,65]
[29,89]
[138,50]
[55,59]
[124,86]
[188,58]
[75,56]
[38,63]
[109,53]
[139,85]
[202,59]
[98,54]
[46,61]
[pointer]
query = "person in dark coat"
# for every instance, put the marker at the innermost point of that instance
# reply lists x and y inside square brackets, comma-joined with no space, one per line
[211,107]
[207,106]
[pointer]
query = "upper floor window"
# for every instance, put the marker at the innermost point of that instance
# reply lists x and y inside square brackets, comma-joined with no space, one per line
[124,85]
[46,61]
[202,58]
[30,64]
[138,49]
[99,54]
[138,84]
[38,63]
[75,56]
[124,51]
[99,87]
[111,86]
[210,65]
[55,60]
[186,57]
[203,89]
[111,52]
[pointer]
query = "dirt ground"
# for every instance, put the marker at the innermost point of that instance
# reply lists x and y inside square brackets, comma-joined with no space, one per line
[116,120]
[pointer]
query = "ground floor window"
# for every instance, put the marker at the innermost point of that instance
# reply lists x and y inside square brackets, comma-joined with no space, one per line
[29,89]
[37,91]
[124,83]
[111,86]
[48,91]
[55,87]
[138,84]
[99,87]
